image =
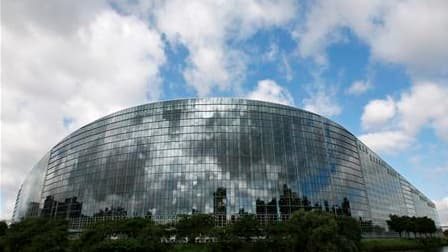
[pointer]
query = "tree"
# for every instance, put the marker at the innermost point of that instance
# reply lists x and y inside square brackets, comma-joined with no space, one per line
[37,234]
[193,226]
[407,223]
[246,226]
[425,225]
[136,234]
[350,228]
[321,231]
[118,245]
[396,223]
[278,237]
[3,228]
[421,225]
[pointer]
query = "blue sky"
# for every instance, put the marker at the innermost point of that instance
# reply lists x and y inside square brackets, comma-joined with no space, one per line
[379,68]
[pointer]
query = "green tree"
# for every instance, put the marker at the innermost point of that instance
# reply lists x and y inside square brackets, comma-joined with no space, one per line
[396,223]
[278,237]
[246,226]
[349,228]
[3,228]
[37,234]
[408,224]
[420,225]
[136,234]
[150,236]
[193,226]
[321,231]
[426,225]
[119,245]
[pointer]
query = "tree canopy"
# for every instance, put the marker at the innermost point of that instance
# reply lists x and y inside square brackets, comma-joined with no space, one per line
[36,234]
[415,225]
[304,231]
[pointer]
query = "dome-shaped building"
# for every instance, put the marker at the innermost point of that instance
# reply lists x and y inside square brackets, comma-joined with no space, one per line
[223,156]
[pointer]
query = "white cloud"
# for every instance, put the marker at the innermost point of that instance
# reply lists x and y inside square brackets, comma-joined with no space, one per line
[426,104]
[410,33]
[442,207]
[322,101]
[325,20]
[378,112]
[418,43]
[400,121]
[76,61]
[387,141]
[287,68]
[269,90]
[389,27]
[86,62]
[273,55]
[359,87]
[206,27]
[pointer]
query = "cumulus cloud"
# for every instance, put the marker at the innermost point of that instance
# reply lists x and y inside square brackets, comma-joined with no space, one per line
[387,141]
[358,88]
[67,63]
[420,45]
[287,68]
[442,207]
[269,90]
[393,34]
[322,100]
[424,105]
[377,113]
[206,27]
[62,72]
[389,27]
[325,20]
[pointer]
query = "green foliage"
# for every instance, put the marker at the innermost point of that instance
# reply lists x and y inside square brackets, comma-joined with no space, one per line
[314,231]
[389,244]
[236,236]
[349,227]
[396,223]
[446,233]
[399,244]
[3,228]
[246,227]
[189,247]
[421,225]
[118,245]
[303,231]
[324,232]
[192,226]
[37,234]
[228,245]
[135,234]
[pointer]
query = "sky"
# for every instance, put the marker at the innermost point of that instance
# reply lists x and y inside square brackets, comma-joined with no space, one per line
[379,68]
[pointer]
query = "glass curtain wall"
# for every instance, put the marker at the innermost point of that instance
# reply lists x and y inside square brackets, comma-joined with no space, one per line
[221,156]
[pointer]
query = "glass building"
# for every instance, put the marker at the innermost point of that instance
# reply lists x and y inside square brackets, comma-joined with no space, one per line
[222,156]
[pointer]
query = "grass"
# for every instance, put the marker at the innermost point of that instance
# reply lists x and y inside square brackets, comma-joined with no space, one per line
[400,244]
[367,245]
[189,248]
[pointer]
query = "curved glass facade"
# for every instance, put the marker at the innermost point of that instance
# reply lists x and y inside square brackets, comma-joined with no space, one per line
[222,156]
